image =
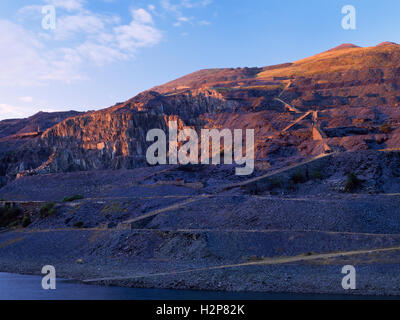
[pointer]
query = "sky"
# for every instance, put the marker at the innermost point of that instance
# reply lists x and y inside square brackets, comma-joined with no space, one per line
[106,51]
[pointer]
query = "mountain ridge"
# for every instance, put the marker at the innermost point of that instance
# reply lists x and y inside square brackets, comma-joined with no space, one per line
[354,92]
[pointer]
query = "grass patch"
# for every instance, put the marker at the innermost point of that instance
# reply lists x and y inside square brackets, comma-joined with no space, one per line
[222,90]
[266,87]
[337,61]
[73,198]
[114,207]
[47,210]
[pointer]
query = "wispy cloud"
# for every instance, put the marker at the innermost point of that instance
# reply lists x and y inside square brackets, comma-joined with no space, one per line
[26,99]
[83,42]
[69,5]
[177,9]
[195,3]
[81,38]
[8,111]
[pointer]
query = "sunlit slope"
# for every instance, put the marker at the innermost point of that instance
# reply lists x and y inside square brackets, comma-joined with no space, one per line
[340,60]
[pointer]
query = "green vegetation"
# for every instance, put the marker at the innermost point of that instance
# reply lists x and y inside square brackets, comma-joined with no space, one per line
[298,177]
[317,175]
[73,198]
[385,128]
[114,207]
[13,224]
[78,224]
[352,183]
[9,216]
[47,210]
[222,90]
[267,87]
[26,221]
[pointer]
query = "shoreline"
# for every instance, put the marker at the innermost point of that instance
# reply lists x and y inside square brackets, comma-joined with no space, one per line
[270,295]
[238,281]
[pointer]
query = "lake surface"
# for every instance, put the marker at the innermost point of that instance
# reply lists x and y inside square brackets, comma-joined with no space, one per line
[25,287]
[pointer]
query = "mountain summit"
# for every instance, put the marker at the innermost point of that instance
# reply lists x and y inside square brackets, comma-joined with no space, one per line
[344,46]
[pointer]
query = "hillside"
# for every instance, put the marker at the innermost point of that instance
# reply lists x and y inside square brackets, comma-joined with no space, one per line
[344,99]
[325,192]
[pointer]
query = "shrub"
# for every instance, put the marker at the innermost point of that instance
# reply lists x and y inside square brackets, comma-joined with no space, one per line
[47,210]
[8,216]
[352,183]
[73,198]
[385,128]
[298,177]
[26,221]
[317,175]
[13,224]
[78,224]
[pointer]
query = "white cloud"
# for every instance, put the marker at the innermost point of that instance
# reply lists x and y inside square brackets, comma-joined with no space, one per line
[204,23]
[139,33]
[100,54]
[177,6]
[26,60]
[142,16]
[81,23]
[69,5]
[194,4]
[177,9]
[26,99]
[81,39]
[168,6]
[180,21]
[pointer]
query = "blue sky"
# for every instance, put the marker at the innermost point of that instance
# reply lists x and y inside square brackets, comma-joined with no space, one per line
[107,51]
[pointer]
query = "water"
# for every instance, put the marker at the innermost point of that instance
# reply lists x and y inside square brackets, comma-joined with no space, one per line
[23,287]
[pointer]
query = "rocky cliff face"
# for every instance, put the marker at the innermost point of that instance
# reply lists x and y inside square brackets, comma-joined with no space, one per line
[349,95]
[116,137]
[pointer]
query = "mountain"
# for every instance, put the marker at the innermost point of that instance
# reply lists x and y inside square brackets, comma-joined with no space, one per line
[344,99]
